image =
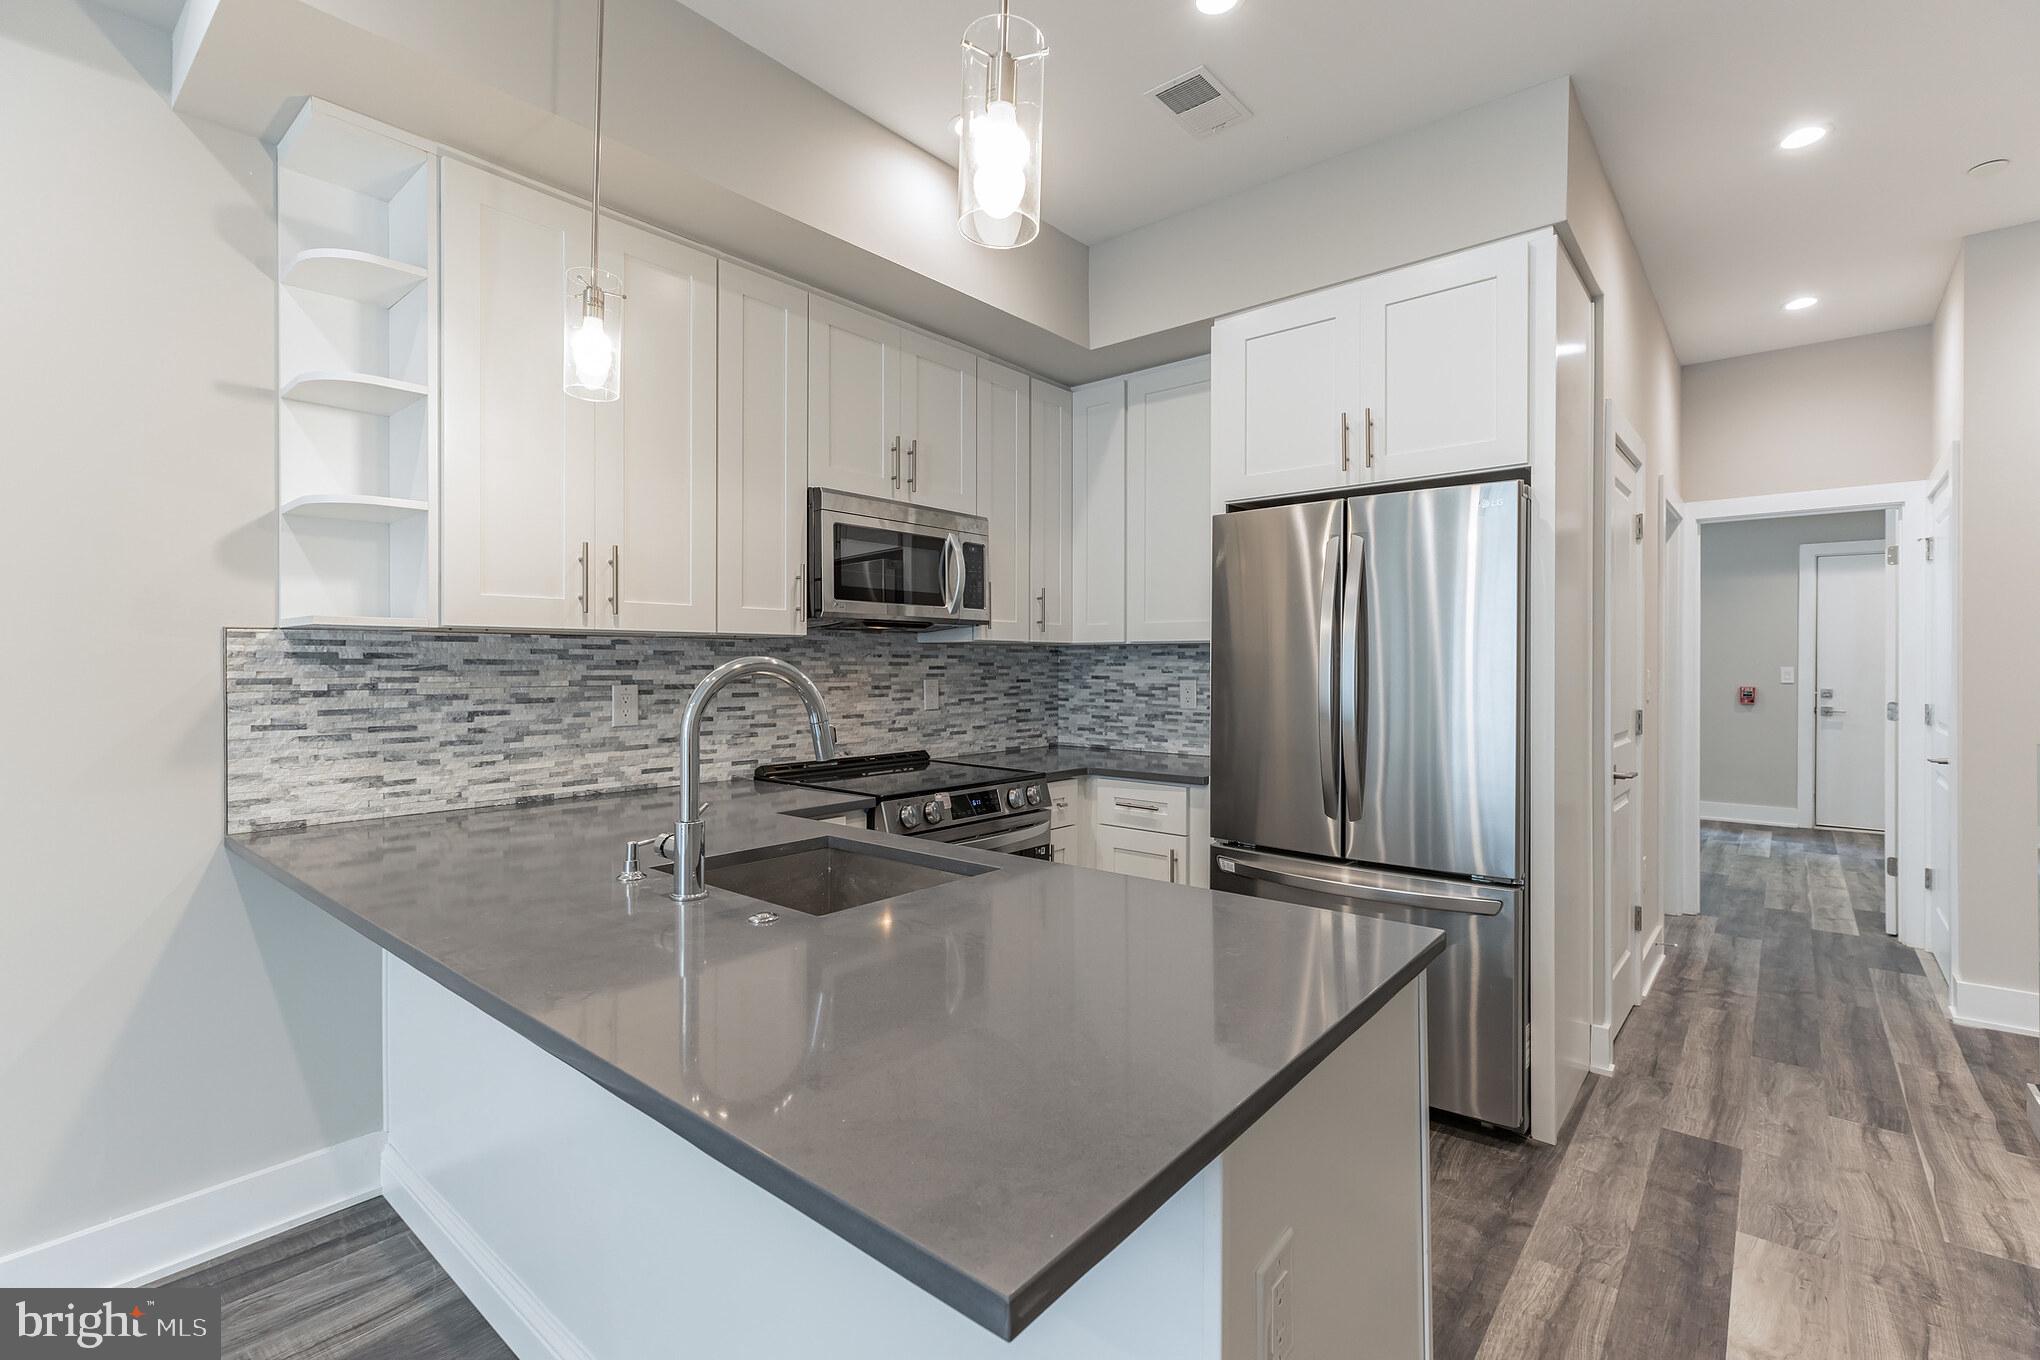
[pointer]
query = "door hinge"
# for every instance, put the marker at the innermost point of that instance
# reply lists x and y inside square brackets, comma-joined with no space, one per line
[1930,715]
[1930,878]
[1636,525]
[1891,866]
[1638,731]
[1891,554]
[1891,711]
[1636,917]
[1929,541]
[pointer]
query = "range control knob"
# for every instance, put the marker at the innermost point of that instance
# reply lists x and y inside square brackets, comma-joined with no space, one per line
[932,810]
[910,817]
[1013,798]
[1033,795]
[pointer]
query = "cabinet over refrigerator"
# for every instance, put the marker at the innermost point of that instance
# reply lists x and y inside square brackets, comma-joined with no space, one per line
[1368,747]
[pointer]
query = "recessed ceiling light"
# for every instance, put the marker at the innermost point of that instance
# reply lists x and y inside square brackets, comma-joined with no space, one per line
[1802,302]
[1217,6]
[1801,138]
[1985,169]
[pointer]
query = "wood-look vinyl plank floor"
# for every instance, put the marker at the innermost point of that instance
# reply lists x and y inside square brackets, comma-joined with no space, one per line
[1797,1155]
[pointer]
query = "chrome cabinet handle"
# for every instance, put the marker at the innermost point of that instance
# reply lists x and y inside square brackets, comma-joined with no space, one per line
[1142,807]
[896,462]
[1345,442]
[1172,866]
[583,597]
[913,464]
[1041,604]
[799,593]
[616,579]
[1370,436]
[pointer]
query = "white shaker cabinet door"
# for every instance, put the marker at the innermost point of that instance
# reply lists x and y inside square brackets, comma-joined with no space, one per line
[1168,515]
[1098,517]
[1445,352]
[854,374]
[655,446]
[762,453]
[1286,399]
[1141,854]
[517,461]
[1048,513]
[1004,488]
[938,420]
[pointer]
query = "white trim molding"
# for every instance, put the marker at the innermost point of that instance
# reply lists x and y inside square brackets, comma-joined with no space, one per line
[191,1229]
[1882,496]
[1982,1006]
[1749,814]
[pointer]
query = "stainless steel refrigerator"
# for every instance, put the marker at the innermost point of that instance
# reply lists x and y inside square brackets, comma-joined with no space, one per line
[1368,746]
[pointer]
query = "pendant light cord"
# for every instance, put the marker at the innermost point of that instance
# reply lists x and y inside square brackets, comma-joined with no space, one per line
[595,195]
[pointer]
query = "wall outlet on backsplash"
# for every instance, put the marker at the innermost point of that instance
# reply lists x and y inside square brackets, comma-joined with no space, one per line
[1186,694]
[931,693]
[623,705]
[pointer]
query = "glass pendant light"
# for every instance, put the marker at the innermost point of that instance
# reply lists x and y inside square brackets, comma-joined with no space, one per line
[998,166]
[594,340]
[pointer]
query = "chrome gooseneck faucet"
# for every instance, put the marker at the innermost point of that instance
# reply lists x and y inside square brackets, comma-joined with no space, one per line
[690,852]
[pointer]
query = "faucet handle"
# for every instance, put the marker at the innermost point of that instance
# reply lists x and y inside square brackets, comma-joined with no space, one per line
[662,845]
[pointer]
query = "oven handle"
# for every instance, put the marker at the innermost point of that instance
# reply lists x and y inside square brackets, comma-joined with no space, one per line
[1021,838]
[952,596]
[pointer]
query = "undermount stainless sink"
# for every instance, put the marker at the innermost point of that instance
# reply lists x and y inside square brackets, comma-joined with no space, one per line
[821,877]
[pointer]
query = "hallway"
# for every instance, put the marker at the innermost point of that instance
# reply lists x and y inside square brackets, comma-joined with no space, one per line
[1798,1155]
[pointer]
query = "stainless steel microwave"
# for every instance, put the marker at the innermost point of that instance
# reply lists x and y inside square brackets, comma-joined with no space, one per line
[877,563]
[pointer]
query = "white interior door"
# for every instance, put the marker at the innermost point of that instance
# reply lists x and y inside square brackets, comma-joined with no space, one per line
[1939,714]
[1848,693]
[1624,536]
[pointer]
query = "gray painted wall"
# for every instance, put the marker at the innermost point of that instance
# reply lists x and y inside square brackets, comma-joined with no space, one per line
[165,1023]
[1749,627]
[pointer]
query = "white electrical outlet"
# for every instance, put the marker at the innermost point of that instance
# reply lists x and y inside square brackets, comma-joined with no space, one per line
[1186,693]
[1275,1300]
[623,706]
[931,693]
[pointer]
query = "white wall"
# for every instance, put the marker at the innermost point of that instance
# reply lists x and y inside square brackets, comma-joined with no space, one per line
[165,1023]
[1854,412]
[1998,582]
[1947,372]
[1490,172]
[1749,627]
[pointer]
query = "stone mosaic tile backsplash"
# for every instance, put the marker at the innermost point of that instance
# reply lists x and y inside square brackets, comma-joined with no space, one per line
[346,724]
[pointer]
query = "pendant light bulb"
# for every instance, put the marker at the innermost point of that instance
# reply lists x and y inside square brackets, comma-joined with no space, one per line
[1005,62]
[1001,154]
[593,346]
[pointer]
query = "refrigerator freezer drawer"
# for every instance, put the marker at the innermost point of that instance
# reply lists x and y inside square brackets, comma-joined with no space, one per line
[1478,1000]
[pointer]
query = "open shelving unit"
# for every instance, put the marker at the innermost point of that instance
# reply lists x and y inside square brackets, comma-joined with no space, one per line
[357,324]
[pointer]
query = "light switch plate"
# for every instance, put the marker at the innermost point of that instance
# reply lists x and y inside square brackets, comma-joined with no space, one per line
[623,705]
[931,693]
[1785,675]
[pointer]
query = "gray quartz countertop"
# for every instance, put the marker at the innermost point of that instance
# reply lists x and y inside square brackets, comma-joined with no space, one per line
[1067,762]
[1012,1069]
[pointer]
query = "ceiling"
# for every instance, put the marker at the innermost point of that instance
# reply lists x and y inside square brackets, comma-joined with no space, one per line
[1686,102]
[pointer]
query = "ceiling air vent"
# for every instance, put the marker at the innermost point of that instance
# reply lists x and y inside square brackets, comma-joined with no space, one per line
[1199,103]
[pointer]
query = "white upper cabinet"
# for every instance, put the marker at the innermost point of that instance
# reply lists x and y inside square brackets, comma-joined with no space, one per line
[1168,514]
[517,464]
[1286,396]
[1048,513]
[1004,489]
[1098,468]
[938,421]
[1445,359]
[655,446]
[1419,372]
[854,440]
[762,452]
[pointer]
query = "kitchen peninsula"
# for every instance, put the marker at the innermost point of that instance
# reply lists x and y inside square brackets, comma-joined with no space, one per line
[1027,1110]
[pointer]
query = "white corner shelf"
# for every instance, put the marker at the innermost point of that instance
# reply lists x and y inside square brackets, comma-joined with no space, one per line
[360,509]
[367,392]
[349,621]
[352,274]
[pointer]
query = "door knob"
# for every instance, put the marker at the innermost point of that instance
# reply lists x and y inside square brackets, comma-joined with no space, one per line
[1830,711]
[1621,777]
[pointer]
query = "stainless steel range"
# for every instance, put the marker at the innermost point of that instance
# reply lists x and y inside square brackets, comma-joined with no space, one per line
[983,807]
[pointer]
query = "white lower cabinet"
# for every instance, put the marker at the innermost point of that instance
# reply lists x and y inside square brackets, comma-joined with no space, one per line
[1067,844]
[1142,854]
[1131,826]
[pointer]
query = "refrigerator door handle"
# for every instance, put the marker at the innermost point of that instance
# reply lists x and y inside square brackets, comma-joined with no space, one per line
[1328,669]
[1353,682]
[1469,903]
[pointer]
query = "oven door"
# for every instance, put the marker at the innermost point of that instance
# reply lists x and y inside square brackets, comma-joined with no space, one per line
[1026,836]
[888,564]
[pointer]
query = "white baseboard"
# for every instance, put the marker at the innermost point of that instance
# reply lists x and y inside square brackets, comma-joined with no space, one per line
[177,1234]
[1653,960]
[1986,1007]
[526,1325]
[1601,1050]
[1750,814]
